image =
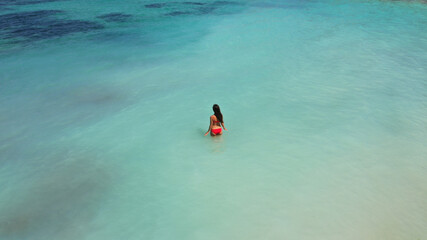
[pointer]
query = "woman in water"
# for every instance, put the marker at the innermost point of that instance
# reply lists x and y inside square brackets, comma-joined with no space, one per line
[216,122]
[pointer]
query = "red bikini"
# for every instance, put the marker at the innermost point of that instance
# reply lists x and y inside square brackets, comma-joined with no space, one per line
[216,130]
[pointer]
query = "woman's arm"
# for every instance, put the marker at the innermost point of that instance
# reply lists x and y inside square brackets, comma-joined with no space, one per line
[224,126]
[210,126]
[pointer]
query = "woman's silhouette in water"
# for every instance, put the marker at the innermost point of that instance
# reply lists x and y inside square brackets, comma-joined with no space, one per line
[216,122]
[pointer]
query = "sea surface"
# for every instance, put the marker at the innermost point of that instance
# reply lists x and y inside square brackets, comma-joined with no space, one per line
[104,105]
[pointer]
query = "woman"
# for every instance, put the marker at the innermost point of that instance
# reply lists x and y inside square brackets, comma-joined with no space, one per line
[216,122]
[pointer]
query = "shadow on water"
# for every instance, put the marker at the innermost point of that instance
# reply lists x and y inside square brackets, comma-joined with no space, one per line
[24,2]
[57,205]
[42,24]
[115,17]
[196,8]
[80,104]
[39,119]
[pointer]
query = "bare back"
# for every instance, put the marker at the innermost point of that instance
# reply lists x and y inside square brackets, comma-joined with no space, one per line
[215,122]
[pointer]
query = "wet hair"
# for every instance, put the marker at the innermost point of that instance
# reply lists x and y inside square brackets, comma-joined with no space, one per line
[217,112]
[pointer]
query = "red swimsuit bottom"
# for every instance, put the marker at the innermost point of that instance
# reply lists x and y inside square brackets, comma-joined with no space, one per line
[216,130]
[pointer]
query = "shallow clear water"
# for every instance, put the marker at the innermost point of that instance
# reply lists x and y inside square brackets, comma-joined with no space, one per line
[102,119]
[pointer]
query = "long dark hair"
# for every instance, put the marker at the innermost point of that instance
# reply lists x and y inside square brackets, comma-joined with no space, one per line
[217,112]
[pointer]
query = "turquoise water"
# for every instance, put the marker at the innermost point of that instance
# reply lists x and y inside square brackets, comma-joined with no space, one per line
[104,106]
